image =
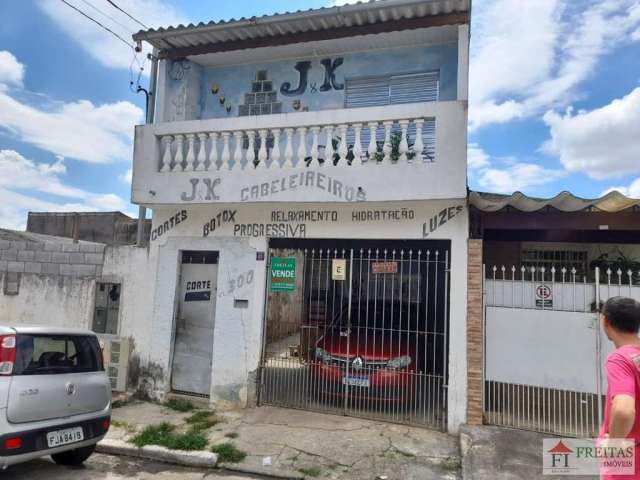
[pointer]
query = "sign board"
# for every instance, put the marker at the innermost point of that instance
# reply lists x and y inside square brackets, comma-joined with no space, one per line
[283,274]
[544,296]
[338,269]
[384,267]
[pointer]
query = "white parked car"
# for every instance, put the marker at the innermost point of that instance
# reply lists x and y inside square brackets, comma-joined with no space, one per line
[55,397]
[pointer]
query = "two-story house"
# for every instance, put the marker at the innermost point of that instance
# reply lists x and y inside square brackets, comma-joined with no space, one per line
[307,177]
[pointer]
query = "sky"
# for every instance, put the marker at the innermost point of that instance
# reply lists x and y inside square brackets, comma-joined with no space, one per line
[554,97]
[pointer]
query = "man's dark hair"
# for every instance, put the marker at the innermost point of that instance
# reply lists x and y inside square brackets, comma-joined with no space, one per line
[623,314]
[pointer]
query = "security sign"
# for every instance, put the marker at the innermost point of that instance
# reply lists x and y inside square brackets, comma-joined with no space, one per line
[338,269]
[544,296]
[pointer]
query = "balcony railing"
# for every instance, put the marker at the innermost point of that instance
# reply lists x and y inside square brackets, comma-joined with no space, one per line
[396,152]
[309,141]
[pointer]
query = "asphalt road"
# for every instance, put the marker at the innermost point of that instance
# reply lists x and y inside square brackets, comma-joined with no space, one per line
[107,467]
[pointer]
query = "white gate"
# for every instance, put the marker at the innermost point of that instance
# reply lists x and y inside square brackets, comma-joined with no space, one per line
[544,348]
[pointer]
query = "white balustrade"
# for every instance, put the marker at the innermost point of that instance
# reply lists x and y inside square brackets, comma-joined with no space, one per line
[251,149]
[275,151]
[262,152]
[201,159]
[210,151]
[179,156]
[191,152]
[373,146]
[237,152]
[302,145]
[357,145]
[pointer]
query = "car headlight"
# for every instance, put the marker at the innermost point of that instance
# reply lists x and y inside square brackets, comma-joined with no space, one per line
[322,355]
[399,362]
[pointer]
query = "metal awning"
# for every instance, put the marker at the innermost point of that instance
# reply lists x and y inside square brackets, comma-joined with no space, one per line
[302,26]
[564,202]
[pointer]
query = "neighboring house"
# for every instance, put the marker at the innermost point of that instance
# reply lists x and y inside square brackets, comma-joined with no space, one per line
[58,281]
[111,228]
[548,265]
[301,167]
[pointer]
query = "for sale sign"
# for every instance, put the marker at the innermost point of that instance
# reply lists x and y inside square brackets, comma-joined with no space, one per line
[283,274]
[384,267]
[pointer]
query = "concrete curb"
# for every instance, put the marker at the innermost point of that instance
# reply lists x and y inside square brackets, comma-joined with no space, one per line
[199,459]
[264,472]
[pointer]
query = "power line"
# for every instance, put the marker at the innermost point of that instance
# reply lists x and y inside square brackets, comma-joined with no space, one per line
[128,15]
[106,15]
[98,23]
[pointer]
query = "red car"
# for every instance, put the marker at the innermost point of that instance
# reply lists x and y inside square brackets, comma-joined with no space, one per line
[376,359]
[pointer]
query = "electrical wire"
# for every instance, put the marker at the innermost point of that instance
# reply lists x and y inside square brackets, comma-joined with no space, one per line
[106,15]
[127,14]
[130,45]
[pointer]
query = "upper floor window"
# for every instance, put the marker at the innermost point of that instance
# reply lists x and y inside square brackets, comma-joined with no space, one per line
[391,89]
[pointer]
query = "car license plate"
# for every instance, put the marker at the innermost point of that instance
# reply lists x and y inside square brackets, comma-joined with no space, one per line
[63,437]
[356,381]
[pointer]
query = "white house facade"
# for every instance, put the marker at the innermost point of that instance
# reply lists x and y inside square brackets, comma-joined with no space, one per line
[307,177]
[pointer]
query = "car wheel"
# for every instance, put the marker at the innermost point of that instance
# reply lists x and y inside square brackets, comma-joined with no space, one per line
[73,457]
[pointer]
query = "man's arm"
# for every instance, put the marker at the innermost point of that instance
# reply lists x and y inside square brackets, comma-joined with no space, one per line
[623,416]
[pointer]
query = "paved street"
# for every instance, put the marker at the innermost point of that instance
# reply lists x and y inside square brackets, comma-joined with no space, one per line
[100,467]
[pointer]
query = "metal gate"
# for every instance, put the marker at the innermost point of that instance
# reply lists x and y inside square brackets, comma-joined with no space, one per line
[359,331]
[544,349]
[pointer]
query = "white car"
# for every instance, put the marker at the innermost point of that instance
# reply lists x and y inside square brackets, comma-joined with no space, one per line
[55,397]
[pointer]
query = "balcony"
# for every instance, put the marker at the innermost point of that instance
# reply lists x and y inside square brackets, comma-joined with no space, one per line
[397,152]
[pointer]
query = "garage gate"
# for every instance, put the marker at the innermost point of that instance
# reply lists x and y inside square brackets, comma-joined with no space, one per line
[358,328]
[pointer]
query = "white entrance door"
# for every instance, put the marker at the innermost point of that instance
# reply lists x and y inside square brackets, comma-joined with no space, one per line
[193,348]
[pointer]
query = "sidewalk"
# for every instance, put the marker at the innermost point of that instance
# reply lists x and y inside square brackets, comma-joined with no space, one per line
[491,453]
[300,444]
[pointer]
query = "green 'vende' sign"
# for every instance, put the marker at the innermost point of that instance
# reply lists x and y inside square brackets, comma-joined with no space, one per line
[283,274]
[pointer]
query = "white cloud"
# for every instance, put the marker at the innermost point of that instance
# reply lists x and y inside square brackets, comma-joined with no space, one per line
[127,176]
[529,57]
[18,173]
[11,70]
[100,44]
[517,177]
[79,130]
[476,157]
[632,190]
[602,143]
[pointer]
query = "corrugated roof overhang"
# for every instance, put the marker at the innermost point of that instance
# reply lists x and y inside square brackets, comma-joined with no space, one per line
[612,202]
[362,18]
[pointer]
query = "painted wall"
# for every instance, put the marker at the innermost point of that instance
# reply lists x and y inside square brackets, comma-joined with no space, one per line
[314,83]
[61,301]
[527,348]
[239,231]
[134,269]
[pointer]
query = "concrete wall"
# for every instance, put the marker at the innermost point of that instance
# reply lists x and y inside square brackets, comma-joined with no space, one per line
[111,228]
[63,301]
[238,332]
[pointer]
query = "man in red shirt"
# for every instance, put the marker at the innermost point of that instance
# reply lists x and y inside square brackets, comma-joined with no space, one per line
[621,322]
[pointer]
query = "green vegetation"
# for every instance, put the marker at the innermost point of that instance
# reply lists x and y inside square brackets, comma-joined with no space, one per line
[232,435]
[180,405]
[202,420]
[228,453]
[124,425]
[310,472]
[164,435]
[452,464]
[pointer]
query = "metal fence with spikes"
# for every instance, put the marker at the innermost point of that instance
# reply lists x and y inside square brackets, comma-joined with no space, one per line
[367,341]
[544,349]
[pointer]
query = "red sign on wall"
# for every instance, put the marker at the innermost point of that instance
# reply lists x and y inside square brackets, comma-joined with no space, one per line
[384,267]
